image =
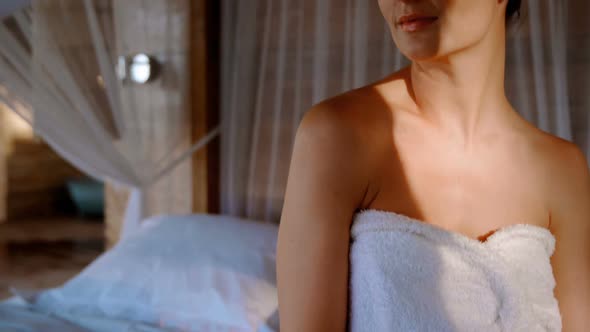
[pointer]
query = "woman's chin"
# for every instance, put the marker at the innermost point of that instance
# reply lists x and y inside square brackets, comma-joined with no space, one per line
[420,54]
[418,50]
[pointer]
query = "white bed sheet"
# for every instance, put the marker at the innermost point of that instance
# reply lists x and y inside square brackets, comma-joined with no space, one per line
[17,316]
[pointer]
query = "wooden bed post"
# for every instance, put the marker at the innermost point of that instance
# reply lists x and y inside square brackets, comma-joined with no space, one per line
[204,100]
[3,172]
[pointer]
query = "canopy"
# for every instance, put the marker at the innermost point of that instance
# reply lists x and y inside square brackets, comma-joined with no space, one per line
[57,71]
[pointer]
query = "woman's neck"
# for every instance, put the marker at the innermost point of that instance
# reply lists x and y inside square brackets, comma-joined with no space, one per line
[463,91]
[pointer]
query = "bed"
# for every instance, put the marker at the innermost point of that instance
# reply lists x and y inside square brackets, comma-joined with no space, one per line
[199,272]
[17,315]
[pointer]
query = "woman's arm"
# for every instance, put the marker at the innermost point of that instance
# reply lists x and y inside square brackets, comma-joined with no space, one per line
[571,227]
[325,185]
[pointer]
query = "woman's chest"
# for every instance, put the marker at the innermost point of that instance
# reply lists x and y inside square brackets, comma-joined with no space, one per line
[468,193]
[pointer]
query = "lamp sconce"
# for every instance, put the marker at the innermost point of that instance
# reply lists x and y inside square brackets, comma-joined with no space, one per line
[138,68]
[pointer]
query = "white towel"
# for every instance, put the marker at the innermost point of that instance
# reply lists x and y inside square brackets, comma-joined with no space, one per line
[407,275]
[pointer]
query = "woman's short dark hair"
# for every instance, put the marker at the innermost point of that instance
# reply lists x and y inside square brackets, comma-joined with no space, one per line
[512,9]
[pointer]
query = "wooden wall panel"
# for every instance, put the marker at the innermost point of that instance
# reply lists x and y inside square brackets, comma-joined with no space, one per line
[27,189]
[160,29]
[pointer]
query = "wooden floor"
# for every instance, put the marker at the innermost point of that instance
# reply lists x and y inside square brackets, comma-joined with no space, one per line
[36,254]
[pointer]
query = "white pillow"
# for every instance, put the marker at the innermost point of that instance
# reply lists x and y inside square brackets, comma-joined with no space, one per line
[197,273]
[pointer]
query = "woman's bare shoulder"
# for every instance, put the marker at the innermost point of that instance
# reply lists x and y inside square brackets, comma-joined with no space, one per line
[353,118]
[340,142]
[363,111]
[561,156]
[570,166]
[565,166]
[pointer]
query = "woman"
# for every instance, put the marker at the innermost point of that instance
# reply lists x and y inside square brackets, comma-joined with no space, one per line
[396,188]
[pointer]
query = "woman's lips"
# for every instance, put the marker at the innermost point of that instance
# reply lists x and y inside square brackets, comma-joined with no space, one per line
[415,22]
